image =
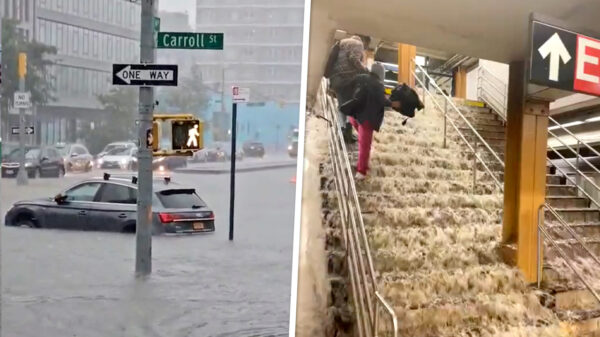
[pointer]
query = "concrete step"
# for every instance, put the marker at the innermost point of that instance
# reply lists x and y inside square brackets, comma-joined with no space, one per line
[491,141]
[491,128]
[589,230]
[573,250]
[485,134]
[475,109]
[577,299]
[479,112]
[566,201]
[477,121]
[555,190]
[554,179]
[575,215]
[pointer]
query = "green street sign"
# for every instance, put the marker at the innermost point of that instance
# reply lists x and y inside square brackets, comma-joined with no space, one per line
[168,40]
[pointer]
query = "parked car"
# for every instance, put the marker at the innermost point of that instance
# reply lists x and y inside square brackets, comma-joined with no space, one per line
[293,144]
[168,163]
[110,147]
[225,151]
[76,157]
[43,161]
[254,149]
[211,153]
[124,158]
[109,204]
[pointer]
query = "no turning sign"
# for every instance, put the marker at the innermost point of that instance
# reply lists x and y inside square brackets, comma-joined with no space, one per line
[564,59]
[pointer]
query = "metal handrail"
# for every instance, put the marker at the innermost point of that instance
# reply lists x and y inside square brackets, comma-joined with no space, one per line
[493,79]
[472,148]
[574,136]
[432,82]
[365,293]
[581,189]
[565,258]
[485,76]
[498,104]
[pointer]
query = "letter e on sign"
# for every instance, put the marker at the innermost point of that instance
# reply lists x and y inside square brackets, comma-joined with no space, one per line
[587,67]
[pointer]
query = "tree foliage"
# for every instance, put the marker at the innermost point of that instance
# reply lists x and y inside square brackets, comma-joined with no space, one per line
[191,95]
[38,80]
[120,107]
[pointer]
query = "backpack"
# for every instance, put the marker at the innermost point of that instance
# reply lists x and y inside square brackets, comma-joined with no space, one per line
[333,55]
[409,98]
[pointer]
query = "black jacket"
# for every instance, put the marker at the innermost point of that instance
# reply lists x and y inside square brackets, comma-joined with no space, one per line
[368,102]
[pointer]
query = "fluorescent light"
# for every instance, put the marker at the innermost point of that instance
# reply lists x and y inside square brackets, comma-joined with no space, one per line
[566,125]
[593,119]
[420,60]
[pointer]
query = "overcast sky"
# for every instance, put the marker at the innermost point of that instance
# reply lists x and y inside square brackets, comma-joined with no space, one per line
[188,6]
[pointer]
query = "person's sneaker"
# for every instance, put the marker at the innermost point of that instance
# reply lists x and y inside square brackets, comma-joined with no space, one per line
[359,176]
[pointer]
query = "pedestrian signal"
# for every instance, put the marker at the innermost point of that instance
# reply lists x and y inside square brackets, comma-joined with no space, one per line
[187,135]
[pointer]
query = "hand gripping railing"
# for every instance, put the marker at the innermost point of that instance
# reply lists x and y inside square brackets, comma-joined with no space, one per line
[542,231]
[447,118]
[368,301]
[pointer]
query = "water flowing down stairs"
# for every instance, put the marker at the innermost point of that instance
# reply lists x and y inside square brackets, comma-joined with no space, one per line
[569,299]
[435,237]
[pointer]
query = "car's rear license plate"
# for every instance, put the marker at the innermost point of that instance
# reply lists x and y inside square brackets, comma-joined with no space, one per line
[198,226]
[10,171]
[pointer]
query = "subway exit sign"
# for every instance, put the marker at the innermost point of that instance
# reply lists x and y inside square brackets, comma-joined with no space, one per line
[166,40]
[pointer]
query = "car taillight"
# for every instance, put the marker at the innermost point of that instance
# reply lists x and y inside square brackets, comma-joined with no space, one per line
[211,215]
[167,217]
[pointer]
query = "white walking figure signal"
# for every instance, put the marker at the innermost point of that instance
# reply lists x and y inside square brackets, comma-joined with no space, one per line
[193,135]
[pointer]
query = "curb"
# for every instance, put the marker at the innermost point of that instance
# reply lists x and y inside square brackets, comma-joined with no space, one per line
[237,170]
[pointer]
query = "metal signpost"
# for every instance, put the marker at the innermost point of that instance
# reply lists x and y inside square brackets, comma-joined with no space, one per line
[145,75]
[22,70]
[563,59]
[240,95]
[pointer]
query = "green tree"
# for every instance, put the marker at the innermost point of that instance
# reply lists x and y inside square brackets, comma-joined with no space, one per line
[38,80]
[118,123]
[191,94]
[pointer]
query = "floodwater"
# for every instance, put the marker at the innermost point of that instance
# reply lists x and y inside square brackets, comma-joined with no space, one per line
[69,283]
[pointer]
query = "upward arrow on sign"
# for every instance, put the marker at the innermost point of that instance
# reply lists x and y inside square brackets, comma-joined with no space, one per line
[557,51]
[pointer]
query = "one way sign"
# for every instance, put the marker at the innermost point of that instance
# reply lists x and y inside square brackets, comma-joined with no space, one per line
[145,74]
[564,59]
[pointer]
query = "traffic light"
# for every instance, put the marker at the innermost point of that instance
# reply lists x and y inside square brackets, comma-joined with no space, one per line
[155,135]
[22,65]
[187,134]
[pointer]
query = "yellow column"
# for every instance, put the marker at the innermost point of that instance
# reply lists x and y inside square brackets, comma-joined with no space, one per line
[406,56]
[369,58]
[525,171]
[460,83]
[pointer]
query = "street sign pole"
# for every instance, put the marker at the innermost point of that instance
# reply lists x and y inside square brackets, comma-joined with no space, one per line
[232,174]
[22,174]
[143,258]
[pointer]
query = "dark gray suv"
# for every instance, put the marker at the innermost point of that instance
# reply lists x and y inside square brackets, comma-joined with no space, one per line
[109,204]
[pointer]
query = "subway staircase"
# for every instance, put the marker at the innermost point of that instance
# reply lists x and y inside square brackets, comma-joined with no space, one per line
[434,236]
[567,296]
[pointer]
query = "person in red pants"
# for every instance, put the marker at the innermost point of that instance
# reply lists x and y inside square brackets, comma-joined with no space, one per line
[367,108]
[365,138]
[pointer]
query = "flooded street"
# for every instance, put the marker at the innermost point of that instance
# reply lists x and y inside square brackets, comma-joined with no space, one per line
[74,283]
